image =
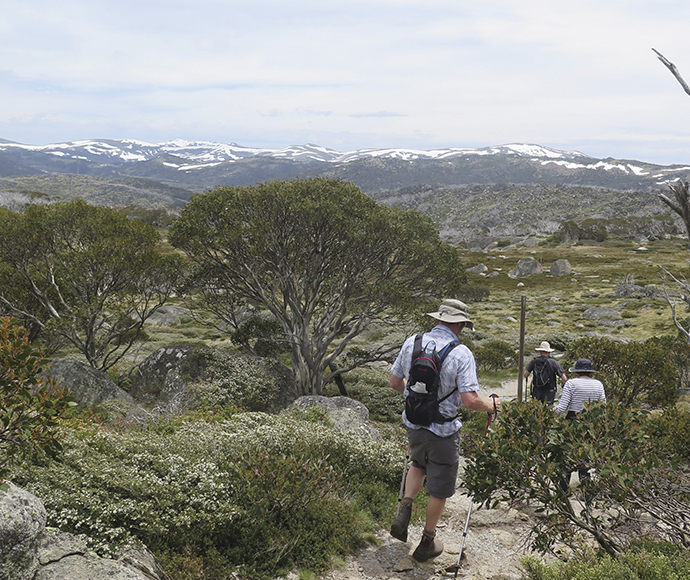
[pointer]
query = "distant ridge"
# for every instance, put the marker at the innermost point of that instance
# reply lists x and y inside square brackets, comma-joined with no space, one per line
[197,165]
[515,189]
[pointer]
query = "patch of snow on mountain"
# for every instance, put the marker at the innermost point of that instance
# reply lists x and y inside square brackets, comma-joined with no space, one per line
[637,170]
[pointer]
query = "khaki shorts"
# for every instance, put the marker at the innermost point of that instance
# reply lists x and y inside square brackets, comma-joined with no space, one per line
[438,457]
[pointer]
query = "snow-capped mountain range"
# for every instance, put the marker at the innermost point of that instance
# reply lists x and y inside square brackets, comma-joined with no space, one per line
[199,165]
[207,152]
[195,155]
[513,189]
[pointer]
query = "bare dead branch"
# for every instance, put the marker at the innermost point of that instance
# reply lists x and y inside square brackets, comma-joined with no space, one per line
[674,71]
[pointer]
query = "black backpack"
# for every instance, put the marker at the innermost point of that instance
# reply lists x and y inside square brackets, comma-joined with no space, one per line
[422,408]
[542,373]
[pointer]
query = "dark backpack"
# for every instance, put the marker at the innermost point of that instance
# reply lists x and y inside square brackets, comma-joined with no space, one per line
[422,408]
[542,373]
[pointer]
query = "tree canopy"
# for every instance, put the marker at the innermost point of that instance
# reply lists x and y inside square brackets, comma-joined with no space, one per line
[323,258]
[85,273]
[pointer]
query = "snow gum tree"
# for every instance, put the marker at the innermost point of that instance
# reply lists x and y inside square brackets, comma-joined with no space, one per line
[321,256]
[87,274]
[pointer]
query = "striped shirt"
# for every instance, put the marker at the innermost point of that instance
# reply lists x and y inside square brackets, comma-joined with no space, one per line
[459,369]
[579,390]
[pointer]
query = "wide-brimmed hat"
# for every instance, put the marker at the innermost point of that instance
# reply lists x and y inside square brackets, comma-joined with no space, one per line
[452,311]
[583,365]
[544,347]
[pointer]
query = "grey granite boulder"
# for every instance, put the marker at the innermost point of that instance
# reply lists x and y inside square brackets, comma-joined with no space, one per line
[597,312]
[89,386]
[22,519]
[561,267]
[94,389]
[345,414]
[478,269]
[526,267]
[159,378]
[66,557]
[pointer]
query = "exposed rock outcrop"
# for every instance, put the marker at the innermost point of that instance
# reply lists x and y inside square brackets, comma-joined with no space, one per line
[166,380]
[22,519]
[92,388]
[526,267]
[561,267]
[30,551]
[345,414]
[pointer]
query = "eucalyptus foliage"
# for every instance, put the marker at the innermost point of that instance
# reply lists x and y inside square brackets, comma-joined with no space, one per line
[85,273]
[531,448]
[323,258]
[30,406]
[632,372]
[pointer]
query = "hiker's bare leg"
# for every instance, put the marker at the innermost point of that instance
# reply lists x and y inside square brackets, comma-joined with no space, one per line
[434,509]
[414,481]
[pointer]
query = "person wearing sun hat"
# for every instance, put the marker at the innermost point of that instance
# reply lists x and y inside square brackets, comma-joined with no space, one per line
[435,449]
[545,371]
[579,390]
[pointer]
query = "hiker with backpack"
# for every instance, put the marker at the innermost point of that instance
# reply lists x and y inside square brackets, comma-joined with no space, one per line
[545,371]
[437,375]
[584,388]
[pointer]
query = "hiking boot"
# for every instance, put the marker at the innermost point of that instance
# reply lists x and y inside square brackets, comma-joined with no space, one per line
[428,548]
[402,520]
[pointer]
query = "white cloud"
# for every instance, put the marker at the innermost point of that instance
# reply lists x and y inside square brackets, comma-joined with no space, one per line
[350,74]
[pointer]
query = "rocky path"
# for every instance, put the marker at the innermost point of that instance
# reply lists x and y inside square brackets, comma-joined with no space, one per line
[495,542]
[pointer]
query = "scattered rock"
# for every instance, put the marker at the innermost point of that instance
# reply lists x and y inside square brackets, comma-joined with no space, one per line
[561,267]
[478,269]
[597,312]
[23,519]
[526,267]
[345,414]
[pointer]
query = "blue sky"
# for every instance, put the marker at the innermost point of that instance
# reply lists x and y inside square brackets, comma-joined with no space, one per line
[421,74]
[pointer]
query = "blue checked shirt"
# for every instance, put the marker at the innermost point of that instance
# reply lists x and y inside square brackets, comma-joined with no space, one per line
[459,369]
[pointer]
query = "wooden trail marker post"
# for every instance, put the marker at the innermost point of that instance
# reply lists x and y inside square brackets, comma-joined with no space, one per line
[521,361]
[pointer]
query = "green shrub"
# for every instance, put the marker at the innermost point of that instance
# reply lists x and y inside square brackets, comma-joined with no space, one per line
[495,355]
[530,448]
[651,563]
[232,378]
[633,372]
[261,492]
[30,407]
[473,293]
[671,431]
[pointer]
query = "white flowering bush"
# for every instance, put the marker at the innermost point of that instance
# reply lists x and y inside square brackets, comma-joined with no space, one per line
[257,492]
[234,379]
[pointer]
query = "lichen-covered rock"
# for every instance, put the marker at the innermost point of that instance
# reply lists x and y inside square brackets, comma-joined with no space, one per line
[527,267]
[561,267]
[64,556]
[89,386]
[90,567]
[177,378]
[345,414]
[22,519]
[597,312]
[159,379]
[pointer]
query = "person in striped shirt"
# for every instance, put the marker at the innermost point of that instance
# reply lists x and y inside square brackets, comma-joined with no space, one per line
[581,389]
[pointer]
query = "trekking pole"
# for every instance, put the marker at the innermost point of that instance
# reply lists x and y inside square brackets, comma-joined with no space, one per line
[493,415]
[402,483]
